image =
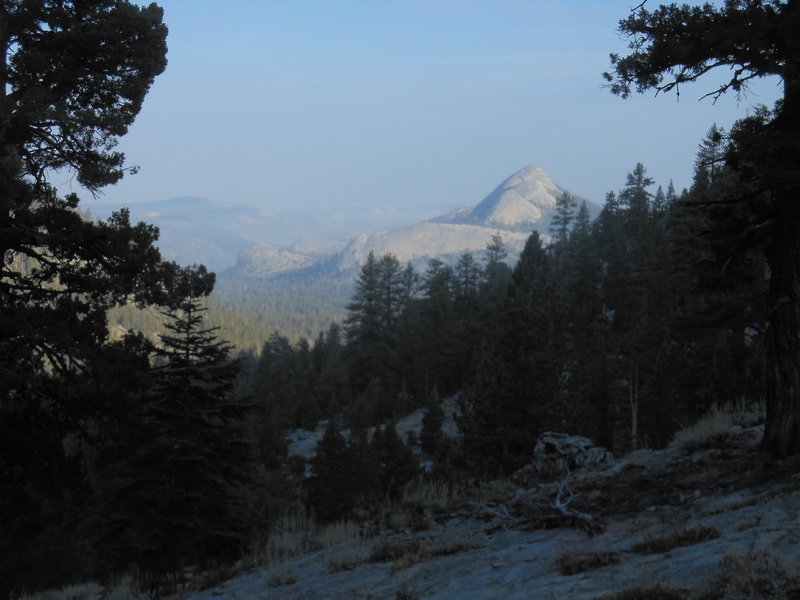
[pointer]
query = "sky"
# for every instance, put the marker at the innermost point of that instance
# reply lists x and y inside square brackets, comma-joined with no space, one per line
[302,105]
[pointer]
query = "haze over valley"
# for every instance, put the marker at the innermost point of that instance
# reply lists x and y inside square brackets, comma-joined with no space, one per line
[243,243]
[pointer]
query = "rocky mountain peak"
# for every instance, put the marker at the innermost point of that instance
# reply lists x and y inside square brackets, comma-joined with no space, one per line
[262,260]
[525,200]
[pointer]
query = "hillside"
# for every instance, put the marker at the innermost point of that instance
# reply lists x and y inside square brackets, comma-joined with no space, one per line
[715,518]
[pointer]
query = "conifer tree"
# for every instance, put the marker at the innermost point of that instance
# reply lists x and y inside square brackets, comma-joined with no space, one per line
[752,39]
[333,484]
[563,218]
[431,435]
[73,77]
[496,274]
[186,453]
[381,294]
[467,275]
[395,462]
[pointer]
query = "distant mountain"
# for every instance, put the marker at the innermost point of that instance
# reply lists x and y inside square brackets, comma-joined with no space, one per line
[295,271]
[417,243]
[250,244]
[266,260]
[199,230]
[523,202]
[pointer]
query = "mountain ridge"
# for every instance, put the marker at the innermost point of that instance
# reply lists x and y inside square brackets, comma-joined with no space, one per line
[520,202]
[228,235]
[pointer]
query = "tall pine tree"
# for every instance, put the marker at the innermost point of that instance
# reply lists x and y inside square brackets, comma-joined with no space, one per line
[185,454]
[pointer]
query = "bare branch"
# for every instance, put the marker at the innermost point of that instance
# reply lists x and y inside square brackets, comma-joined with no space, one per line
[502,513]
[586,520]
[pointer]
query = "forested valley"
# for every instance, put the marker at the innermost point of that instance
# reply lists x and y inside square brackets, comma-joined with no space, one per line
[622,330]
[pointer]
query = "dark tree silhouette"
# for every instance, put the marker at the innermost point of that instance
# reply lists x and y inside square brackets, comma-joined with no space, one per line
[185,452]
[73,76]
[678,44]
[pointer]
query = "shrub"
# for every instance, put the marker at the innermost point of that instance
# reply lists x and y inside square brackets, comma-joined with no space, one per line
[452,541]
[711,428]
[281,574]
[405,593]
[756,576]
[580,562]
[394,550]
[716,424]
[657,592]
[297,533]
[687,537]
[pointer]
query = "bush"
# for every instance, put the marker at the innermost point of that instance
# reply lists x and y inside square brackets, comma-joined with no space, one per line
[756,576]
[687,537]
[657,592]
[394,550]
[281,574]
[717,423]
[580,562]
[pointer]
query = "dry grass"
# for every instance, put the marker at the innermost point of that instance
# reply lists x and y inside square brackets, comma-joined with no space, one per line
[82,591]
[346,558]
[421,505]
[678,539]
[452,541]
[341,533]
[281,574]
[344,543]
[406,593]
[581,562]
[390,550]
[298,533]
[717,423]
[122,589]
[728,505]
[292,534]
[429,494]
[747,414]
[656,592]
[748,524]
[406,552]
[756,576]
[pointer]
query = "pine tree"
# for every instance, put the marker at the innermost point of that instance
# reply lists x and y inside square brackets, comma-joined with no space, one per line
[381,294]
[496,273]
[431,435]
[186,454]
[396,463]
[73,77]
[467,275]
[333,484]
[753,39]
[562,218]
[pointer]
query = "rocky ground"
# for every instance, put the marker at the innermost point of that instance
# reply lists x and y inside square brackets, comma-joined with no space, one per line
[713,522]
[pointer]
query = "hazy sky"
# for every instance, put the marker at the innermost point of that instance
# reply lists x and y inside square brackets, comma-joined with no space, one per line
[298,104]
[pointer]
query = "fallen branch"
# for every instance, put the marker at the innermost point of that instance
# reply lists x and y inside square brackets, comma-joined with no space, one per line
[585,520]
[500,513]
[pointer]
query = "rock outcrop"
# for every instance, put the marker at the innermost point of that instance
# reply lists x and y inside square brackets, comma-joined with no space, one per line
[560,453]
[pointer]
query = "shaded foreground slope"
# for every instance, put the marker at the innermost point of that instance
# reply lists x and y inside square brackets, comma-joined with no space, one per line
[717,522]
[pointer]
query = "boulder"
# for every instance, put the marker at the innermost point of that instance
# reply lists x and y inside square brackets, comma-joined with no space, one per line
[559,453]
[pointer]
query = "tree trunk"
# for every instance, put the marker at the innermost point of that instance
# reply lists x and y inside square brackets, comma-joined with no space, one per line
[782,431]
